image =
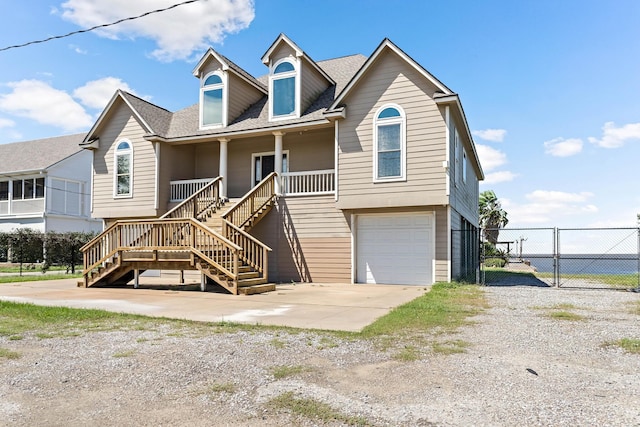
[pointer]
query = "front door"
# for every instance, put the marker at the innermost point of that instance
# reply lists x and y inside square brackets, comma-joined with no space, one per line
[264,164]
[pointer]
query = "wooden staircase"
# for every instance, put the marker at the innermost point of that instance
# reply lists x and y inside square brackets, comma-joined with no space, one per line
[202,233]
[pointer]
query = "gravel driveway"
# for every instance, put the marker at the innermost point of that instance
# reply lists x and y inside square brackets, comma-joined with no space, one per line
[522,367]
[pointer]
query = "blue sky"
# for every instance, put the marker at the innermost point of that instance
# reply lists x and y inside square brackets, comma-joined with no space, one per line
[551,89]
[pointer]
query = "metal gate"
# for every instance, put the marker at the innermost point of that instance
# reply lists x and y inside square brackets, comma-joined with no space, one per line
[568,257]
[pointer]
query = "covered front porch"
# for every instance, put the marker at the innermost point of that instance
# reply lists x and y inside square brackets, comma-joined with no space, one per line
[302,161]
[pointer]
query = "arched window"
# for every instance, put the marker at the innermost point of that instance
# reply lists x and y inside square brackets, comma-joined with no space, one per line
[283,90]
[211,101]
[123,181]
[389,144]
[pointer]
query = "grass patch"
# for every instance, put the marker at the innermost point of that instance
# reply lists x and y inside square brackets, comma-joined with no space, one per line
[408,353]
[37,277]
[565,315]
[5,353]
[627,344]
[218,388]
[315,410]
[445,308]
[278,343]
[450,347]
[284,371]
[34,267]
[127,353]
[17,319]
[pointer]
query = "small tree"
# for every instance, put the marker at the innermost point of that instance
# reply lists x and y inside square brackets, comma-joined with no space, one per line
[492,216]
[64,249]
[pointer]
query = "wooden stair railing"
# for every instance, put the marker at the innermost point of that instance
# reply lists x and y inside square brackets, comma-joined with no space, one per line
[200,204]
[254,204]
[254,253]
[162,235]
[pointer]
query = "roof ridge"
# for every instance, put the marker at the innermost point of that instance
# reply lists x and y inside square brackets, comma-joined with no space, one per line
[124,92]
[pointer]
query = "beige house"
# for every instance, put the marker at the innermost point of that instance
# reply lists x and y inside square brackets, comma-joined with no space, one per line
[352,170]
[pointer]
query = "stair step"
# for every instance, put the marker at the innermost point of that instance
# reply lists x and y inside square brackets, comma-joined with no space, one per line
[257,289]
[248,275]
[251,282]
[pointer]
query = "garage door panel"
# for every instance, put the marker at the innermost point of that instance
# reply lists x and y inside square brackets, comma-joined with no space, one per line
[394,249]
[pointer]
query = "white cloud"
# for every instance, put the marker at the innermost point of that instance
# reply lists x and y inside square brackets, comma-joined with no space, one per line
[490,158]
[178,32]
[495,135]
[560,147]
[546,206]
[497,177]
[6,123]
[555,197]
[78,49]
[615,137]
[38,101]
[97,93]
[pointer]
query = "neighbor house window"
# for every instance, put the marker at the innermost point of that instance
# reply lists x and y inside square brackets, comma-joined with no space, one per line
[211,102]
[283,90]
[4,190]
[123,169]
[32,188]
[389,144]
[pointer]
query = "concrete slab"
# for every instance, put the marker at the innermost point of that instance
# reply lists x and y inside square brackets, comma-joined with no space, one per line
[343,307]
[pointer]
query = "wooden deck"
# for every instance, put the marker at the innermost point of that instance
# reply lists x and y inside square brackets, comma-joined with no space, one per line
[195,235]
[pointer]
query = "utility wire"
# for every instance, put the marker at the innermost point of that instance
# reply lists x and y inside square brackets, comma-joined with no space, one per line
[73,33]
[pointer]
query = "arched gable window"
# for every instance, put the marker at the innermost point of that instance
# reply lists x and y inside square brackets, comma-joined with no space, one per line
[284,90]
[123,177]
[389,144]
[211,101]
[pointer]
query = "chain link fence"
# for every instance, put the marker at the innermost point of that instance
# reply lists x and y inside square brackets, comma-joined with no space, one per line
[569,257]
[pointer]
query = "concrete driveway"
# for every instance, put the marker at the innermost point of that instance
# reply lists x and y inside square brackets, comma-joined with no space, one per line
[343,307]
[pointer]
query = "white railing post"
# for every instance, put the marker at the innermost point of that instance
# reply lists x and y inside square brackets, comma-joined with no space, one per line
[308,182]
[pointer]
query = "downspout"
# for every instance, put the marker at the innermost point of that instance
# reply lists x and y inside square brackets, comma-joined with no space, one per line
[335,159]
[157,180]
[446,164]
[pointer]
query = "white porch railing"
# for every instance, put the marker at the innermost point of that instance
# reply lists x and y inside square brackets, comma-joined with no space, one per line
[22,207]
[309,182]
[181,190]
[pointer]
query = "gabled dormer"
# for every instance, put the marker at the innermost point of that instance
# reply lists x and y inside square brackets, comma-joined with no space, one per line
[226,90]
[295,80]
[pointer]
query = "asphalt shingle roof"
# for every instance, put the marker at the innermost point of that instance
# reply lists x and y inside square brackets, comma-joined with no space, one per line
[185,122]
[37,154]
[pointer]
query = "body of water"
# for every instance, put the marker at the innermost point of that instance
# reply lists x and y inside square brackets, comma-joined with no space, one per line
[586,263]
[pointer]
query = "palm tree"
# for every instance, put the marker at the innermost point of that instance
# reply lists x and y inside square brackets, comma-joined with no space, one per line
[492,216]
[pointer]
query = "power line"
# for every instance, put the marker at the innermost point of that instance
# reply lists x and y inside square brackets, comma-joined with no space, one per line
[73,33]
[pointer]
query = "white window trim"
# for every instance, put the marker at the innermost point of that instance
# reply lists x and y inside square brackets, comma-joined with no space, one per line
[456,154]
[267,153]
[297,75]
[402,120]
[66,195]
[224,85]
[464,166]
[115,170]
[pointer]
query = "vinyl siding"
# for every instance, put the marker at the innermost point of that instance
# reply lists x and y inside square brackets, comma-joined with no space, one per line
[464,195]
[313,84]
[176,163]
[241,96]
[391,80]
[123,125]
[443,254]
[310,239]
[207,160]
[456,241]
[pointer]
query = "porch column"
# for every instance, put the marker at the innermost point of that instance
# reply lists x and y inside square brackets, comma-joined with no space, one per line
[277,167]
[223,167]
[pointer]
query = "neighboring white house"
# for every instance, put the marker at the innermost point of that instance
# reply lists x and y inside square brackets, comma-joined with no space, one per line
[45,185]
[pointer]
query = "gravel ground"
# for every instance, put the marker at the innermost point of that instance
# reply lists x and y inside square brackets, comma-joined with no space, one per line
[521,368]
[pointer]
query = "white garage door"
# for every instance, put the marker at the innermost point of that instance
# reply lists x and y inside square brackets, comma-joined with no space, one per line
[394,249]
